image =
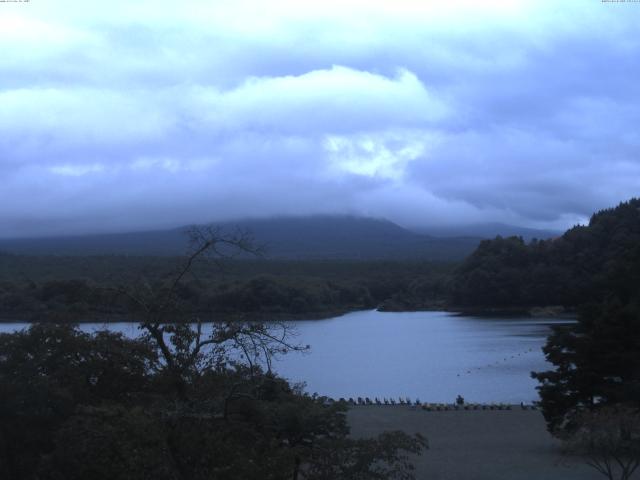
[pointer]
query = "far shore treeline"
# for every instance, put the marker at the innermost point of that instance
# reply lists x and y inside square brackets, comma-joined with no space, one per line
[501,275]
[52,288]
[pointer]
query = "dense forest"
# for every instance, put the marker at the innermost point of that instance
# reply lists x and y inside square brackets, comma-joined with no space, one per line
[585,264]
[76,406]
[302,267]
[86,288]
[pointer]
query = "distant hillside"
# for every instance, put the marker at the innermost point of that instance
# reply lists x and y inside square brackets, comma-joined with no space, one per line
[328,237]
[489,230]
[586,264]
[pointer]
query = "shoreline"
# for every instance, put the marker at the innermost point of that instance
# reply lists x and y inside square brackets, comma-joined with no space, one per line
[97,317]
[32,317]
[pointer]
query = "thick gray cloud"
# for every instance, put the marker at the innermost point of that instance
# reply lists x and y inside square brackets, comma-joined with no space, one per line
[151,114]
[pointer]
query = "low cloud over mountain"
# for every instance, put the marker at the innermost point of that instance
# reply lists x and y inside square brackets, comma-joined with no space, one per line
[134,115]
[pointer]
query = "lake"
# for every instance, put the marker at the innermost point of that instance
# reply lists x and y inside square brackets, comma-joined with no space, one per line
[433,356]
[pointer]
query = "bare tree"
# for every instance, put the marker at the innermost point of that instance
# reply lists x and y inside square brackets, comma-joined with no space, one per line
[609,440]
[185,347]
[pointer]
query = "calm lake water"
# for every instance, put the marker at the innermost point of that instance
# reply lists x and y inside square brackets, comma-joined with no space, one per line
[433,356]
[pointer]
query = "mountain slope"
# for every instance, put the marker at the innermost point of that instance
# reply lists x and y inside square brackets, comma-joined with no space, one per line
[328,237]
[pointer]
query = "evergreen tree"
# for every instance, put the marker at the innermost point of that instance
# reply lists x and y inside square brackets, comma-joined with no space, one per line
[597,364]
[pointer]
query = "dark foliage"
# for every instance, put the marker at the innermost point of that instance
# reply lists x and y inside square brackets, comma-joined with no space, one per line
[597,360]
[46,373]
[586,264]
[101,406]
[82,288]
[597,364]
[608,439]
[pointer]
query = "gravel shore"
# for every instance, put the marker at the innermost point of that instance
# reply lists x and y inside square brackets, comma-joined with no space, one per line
[476,445]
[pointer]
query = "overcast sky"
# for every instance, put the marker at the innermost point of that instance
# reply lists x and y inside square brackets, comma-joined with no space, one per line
[125,115]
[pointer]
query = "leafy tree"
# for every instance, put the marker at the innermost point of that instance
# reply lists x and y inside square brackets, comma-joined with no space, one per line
[47,372]
[104,443]
[77,406]
[375,459]
[609,440]
[597,363]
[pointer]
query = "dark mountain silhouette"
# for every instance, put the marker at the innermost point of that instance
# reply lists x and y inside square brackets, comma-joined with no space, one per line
[328,237]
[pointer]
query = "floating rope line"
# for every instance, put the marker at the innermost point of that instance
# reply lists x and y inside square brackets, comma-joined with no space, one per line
[496,363]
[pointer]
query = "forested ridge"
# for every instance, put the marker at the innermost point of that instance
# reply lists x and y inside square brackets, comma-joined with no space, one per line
[585,264]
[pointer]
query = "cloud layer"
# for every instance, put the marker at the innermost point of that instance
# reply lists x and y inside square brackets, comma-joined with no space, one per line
[151,114]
